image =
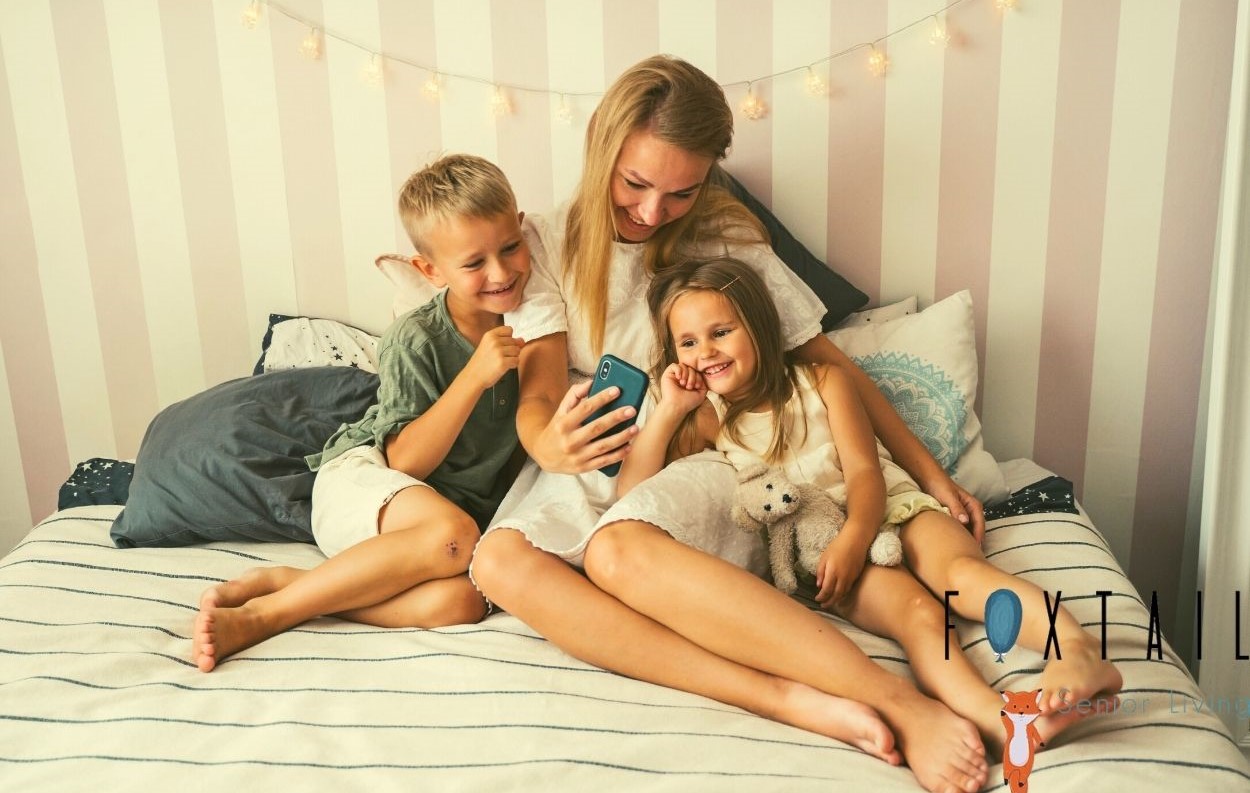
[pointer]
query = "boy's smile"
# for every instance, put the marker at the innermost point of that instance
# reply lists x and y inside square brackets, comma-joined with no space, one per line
[483,262]
[709,337]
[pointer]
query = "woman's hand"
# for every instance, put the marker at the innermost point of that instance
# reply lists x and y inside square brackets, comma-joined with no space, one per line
[963,506]
[682,388]
[839,568]
[565,446]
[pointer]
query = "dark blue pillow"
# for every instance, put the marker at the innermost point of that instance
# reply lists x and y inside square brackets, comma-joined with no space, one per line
[228,463]
[837,293]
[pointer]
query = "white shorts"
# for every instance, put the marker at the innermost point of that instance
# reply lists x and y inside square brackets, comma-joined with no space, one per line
[689,499]
[348,495]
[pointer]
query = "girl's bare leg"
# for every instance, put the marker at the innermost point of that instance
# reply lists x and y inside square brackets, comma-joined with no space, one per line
[737,616]
[945,558]
[423,538]
[890,602]
[562,605]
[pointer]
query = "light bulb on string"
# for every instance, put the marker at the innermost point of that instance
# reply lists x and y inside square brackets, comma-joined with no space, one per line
[564,113]
[374,71]
[878,62]
[939,36]
[310,48]
[1005,5]
[432,90]
[251,15]
[816,85]
[752,106]
[499,104]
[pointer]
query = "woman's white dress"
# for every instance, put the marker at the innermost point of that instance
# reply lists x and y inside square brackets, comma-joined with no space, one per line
[689,499]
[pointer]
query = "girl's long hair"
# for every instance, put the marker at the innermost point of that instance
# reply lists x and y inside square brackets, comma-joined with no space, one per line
[776,372]
[685,108]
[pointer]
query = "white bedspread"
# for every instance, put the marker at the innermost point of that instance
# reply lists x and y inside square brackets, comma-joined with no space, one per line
[96,692]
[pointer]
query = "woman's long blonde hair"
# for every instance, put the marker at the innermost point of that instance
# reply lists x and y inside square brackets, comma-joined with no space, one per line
[685,108]
[776,371]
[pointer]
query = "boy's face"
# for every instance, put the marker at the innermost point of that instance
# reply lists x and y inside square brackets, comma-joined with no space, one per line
[483,262]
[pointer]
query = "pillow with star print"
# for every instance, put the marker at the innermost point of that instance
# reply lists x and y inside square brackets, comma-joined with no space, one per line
[297,342]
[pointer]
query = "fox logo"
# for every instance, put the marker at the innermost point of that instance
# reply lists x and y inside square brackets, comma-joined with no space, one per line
[1018,714]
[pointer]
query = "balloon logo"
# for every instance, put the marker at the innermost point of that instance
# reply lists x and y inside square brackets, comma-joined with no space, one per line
[1003,614]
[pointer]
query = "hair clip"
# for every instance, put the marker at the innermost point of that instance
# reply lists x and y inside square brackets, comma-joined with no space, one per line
[731,283]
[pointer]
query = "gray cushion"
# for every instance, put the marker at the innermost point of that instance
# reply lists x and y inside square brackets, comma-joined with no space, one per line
[228,463]
[837,293]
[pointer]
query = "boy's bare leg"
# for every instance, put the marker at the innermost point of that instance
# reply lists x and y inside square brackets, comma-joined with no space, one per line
[890,602]
[737,616]
[575,615]
[437,544]
[945,557]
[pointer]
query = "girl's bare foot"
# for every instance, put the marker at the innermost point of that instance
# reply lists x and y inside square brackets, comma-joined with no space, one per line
[1082,675]
[942,749]
[841,719]
[253,583]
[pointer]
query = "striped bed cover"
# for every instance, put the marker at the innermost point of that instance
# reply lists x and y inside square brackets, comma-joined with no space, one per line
[96,692]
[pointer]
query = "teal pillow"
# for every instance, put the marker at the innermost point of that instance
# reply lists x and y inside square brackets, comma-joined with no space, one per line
[228,463]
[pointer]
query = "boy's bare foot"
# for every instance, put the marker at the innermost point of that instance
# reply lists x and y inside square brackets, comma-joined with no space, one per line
[1081,675]
[253,583]
[942,749]
[845,720]
[222,632]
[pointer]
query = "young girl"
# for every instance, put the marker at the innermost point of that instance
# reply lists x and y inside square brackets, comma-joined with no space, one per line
[726,382]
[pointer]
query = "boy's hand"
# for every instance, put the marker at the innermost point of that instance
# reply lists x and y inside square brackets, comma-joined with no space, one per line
[839,568]
[496,353]
[682,388]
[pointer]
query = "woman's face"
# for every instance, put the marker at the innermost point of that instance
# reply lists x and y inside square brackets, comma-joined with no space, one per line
[654,183]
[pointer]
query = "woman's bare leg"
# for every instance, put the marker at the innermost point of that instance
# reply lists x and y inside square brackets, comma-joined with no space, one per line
[945,558]
[737,616]
[562,605]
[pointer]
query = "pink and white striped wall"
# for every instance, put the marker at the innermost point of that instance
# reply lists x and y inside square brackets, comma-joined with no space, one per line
[169,178]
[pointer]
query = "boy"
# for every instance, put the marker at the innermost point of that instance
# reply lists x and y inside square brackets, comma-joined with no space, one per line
[400,495]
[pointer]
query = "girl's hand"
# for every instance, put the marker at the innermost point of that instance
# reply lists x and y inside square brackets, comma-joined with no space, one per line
[682,388]
[567,447]
[963,506]
[838,569]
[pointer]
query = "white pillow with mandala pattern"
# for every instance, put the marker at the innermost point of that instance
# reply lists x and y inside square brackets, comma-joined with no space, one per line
[926,365]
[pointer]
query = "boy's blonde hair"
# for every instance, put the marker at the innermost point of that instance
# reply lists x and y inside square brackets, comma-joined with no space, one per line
[457,185]
[775,369]
[685,108]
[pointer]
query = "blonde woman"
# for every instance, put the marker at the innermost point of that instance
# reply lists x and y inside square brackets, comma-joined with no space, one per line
[664,596]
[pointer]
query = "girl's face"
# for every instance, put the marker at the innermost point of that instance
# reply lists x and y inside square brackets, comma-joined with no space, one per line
[653,183]
[709,336]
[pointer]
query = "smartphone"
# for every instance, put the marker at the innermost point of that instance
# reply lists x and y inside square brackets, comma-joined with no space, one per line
[632,382]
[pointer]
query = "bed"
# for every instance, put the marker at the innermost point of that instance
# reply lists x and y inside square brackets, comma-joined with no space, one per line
[97,693]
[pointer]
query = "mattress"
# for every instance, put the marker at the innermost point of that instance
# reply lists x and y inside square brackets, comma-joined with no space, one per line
[97,692]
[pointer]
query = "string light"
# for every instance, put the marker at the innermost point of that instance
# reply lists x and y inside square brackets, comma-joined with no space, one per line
[878,62]
[374,72]
[432,90]
[499,104]
[816,85]
[311,46]
[752,106]
[564,114]
[251,15]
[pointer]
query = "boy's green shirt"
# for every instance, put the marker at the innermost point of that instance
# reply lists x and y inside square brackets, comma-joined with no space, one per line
[418,357]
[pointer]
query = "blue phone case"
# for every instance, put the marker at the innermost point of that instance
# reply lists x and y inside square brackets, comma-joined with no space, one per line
[632,381]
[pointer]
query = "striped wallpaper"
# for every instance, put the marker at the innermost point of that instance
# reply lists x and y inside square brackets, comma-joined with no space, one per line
[170,177]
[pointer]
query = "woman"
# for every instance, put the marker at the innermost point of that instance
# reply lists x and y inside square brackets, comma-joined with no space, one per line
[659,601]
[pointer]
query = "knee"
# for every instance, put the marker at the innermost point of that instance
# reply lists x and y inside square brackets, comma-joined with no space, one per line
[618,554]
[502,565]
[924,616]
[963,572]
[456,605]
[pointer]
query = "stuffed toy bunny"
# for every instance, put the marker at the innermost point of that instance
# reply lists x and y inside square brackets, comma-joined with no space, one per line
[800,520]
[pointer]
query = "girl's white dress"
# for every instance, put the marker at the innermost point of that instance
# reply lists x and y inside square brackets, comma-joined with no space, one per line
[811,456]
[689,499]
